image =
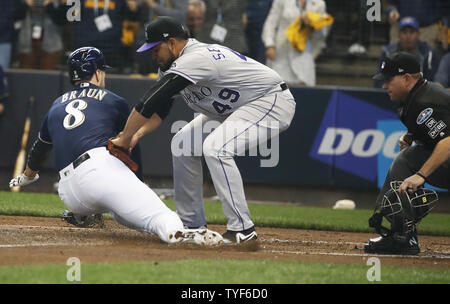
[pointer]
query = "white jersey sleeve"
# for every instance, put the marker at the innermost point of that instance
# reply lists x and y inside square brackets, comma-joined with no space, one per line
[194,67]
[222,80]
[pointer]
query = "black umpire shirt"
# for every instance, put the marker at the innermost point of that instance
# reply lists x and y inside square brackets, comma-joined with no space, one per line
[426,113]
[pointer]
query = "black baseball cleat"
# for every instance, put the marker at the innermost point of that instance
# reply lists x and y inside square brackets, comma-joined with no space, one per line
[240,236]
[83,221]
[390,245]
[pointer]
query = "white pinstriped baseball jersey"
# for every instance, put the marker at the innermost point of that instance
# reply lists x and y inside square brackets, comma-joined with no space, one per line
[222,79]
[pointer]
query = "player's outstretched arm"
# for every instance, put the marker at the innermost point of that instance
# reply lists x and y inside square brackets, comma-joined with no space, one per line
[134,123]
[36,157]
[152,124]
[27,177]
[159,94]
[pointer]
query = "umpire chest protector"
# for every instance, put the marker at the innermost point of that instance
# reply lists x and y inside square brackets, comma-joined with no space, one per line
[426,113]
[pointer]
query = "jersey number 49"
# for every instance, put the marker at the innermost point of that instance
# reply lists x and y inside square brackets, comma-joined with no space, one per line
[225,94]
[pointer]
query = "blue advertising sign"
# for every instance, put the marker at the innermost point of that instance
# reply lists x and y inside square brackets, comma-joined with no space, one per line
[350,137]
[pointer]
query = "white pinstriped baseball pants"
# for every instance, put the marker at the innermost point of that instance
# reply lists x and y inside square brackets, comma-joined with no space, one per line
[244,128]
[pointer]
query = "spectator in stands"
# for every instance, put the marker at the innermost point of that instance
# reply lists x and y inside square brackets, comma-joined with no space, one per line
[427,12]
[195,17]
[130,28]
[101,26]
[40,42]
[443,73]
[8,14]
[3,92]
[224,24]
[444,35]
[295,67]
[172,8]
[254,18]
[151,9]
[409,35]
[362,31]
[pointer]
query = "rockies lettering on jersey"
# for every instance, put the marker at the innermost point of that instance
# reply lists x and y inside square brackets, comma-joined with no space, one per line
[222,79]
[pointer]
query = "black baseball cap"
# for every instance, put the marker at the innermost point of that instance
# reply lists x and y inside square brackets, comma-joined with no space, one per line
[398,64]
[161,29]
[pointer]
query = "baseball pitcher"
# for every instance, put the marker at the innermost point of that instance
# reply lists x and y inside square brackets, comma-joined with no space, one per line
[247,98]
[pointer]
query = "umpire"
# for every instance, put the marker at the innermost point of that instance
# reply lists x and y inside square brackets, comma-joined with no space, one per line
[425,111]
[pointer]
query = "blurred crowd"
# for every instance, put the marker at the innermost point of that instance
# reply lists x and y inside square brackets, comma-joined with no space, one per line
[421,28]
[287,35]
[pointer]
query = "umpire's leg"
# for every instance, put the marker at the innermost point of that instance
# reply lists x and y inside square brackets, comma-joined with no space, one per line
[407,163]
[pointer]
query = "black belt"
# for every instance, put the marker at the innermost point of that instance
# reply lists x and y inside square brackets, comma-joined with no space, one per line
[80,160]
[284,86]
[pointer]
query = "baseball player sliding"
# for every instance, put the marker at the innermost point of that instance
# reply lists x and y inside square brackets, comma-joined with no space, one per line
[249,100]
[77,127]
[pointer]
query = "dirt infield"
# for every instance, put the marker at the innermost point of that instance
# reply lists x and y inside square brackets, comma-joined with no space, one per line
[37,240]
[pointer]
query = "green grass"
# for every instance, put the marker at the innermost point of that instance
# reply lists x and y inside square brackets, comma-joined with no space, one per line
[30,204]
[49,205]
[222,272]
[228,271]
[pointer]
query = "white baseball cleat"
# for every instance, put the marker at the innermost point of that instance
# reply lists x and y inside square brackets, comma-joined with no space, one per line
[197,236]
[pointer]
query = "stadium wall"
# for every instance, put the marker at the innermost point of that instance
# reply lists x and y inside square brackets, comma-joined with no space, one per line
[340,137]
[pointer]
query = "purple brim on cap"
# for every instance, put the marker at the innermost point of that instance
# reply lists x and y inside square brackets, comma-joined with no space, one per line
[147,46]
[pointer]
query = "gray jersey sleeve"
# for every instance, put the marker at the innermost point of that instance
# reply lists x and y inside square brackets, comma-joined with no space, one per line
[194,67]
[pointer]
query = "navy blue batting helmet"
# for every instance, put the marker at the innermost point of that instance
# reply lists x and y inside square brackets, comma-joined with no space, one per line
[83,63]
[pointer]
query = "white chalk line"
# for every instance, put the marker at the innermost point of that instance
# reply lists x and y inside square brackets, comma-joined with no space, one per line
[47,244]
[275,240]
[15,227]
[34,244]
[269,240]
[437,256]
